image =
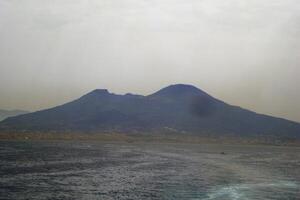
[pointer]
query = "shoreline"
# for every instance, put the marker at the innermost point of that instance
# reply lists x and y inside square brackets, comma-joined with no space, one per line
[146,138]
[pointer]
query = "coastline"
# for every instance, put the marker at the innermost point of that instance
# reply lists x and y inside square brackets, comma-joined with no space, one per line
[147,138]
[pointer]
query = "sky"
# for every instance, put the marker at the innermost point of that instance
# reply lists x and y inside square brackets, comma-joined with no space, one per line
[244,52]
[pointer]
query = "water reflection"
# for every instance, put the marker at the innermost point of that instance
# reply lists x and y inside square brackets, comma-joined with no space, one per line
[90,170]
[256,191]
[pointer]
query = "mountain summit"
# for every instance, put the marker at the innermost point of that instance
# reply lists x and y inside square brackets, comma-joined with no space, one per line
[180,108]
[179,90]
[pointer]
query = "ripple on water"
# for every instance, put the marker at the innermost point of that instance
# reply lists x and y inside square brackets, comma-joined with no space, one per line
[255,191]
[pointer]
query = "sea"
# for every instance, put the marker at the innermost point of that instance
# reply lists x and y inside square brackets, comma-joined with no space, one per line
[135,171]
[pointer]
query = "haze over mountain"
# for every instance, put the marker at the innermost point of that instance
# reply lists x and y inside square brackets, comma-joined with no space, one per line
[243,52]
[10,113]
[174,109]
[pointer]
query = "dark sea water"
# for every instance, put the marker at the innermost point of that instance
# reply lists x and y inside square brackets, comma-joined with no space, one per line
[91,170]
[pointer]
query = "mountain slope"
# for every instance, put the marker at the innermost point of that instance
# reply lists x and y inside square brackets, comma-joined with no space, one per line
[11,113]
[180,108]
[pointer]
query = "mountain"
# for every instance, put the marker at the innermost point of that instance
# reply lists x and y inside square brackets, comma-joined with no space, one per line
[177,109]
[11,113]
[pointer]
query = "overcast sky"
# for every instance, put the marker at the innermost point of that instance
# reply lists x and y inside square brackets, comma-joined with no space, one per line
[244,52]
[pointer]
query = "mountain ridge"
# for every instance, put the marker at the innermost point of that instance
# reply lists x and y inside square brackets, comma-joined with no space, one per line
[182,108]
[10,113]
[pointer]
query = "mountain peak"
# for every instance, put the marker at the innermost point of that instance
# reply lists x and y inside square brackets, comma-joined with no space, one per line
[96,93]
[179,90]
[100,91]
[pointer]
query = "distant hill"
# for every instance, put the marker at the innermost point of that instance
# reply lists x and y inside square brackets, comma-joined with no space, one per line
[175,109]
[11,113]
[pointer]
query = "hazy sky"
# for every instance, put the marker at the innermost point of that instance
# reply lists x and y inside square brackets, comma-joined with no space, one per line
[245,52]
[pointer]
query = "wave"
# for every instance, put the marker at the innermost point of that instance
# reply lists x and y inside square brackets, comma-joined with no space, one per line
[248,191]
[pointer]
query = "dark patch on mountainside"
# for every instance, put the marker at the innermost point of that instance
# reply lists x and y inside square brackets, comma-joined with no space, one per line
[180,108]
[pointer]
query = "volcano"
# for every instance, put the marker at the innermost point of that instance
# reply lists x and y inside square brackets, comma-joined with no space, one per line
[177,108]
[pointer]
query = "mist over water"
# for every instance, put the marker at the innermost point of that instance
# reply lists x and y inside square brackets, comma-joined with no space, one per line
[90,170]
